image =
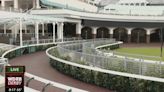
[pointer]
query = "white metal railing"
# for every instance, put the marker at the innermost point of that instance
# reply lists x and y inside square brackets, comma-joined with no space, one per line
[3,63]
[7,47]
[44,41]
[104,70]
[7,34]
[108,62]
[55,84]
[10,9]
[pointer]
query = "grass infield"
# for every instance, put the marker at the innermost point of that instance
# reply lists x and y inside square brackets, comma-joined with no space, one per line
[150,53]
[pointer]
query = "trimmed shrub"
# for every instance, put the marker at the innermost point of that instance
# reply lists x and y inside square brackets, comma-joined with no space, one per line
[114,82]
[26,50]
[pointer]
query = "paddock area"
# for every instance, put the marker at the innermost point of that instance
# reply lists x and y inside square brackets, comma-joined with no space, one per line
[152,50]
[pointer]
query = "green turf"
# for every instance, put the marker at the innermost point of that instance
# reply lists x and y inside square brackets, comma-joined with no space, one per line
[149,51]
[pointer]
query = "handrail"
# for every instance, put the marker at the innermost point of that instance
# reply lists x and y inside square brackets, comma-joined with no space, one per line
[103,70]
[140,71]
[55,84]
[10,9]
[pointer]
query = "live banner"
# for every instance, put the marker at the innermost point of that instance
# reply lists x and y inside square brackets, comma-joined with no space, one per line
[14,78]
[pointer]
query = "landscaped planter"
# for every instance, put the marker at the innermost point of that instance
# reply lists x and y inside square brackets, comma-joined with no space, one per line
[113,82]
[26,50]
[102,77]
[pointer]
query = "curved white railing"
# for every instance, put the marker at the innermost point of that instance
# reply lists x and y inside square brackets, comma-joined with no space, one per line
[131,56]
[49,41]
[10,9]
[54,84]
[103,70]
[143,66]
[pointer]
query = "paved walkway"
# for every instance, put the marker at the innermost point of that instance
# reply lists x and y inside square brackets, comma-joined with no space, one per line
[2,89]
[38,64]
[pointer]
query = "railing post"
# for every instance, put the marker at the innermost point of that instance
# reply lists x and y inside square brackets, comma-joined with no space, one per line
[125,63]
[20,32]
[44,88]
[28,81]
[160,68]
[54,32]
[37,32]
[70,90]
[140,66]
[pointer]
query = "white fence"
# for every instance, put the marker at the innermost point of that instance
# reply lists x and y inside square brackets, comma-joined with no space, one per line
[74,53]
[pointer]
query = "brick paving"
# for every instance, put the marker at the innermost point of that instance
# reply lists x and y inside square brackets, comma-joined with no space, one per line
[2,89]
[38,64]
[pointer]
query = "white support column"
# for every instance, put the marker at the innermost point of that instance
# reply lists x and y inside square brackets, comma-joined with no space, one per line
[15,4]
[62,34]
[37,32]
[4,29]
[148,31]
[38,4]
[34,3]
[78,30]
[60,30]
[20,33]
[111,32]
[129,31]
[94,32]
[3,3]
[43,29]
[54,32]
[15,32]
[25,29]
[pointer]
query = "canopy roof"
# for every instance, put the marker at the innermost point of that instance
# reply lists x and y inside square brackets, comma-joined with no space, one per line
[8,17]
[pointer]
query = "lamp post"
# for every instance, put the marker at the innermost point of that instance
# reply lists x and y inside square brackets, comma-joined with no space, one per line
[161,36]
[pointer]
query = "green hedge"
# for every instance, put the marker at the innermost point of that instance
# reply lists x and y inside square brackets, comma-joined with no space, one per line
[27,50]
[112,82]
